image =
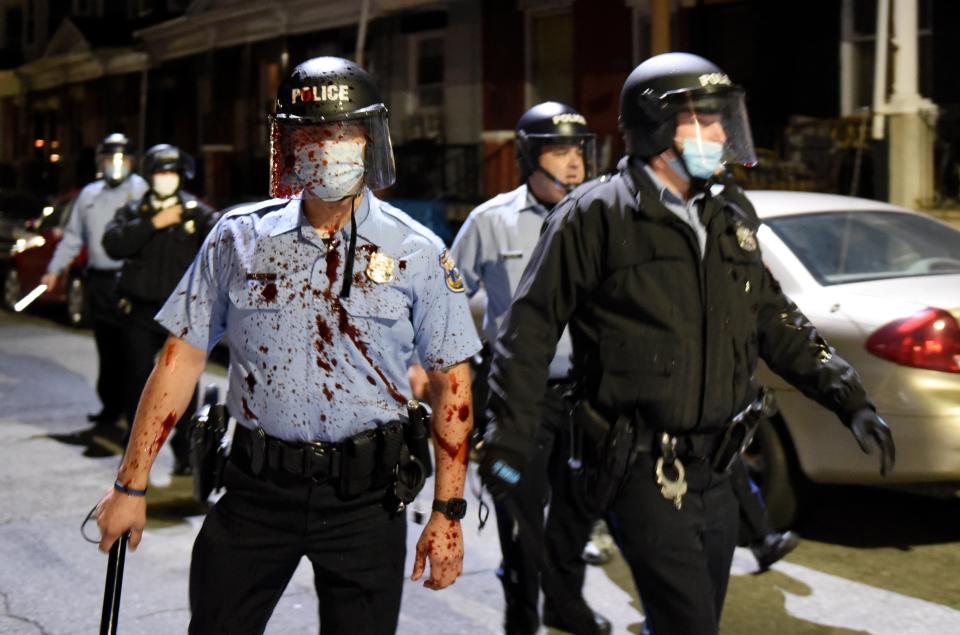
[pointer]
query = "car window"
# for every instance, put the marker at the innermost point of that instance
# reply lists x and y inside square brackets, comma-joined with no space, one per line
[55,215]
[840,247]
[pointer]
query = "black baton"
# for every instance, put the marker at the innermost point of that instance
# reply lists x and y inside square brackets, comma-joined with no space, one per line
[111,592]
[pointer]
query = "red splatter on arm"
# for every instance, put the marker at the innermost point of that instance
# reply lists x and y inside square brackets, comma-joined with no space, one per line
[165,427]
[169,354]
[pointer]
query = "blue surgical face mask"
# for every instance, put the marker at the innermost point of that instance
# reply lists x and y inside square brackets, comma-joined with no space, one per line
[330,172]
[702,159]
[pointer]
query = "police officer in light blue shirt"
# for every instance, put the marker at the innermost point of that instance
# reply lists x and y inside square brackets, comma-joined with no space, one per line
[323,294]
[93,209]
[555,150]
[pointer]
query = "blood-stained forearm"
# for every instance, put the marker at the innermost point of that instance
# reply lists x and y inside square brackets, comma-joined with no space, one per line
[442,539]
[450,398]
[164,399]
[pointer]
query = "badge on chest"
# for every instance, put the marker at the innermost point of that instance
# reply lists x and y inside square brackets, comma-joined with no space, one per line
[381,268]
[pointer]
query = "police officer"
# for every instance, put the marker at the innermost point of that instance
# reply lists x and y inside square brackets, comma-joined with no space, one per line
[93,209]
[157,237]
[323,294]
[658,273]
[555,151]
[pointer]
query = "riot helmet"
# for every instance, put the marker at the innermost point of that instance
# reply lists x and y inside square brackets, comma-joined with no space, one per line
[683,93]
[114,158]
[165,167]
[329,135]
[553,124]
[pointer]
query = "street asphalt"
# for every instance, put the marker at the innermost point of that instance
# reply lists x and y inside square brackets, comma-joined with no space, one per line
[870,561]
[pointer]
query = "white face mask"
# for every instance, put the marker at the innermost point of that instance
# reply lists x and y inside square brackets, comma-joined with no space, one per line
[330,172]
[165,184]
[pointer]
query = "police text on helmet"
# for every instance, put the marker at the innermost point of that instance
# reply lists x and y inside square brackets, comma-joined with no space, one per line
[331,92]
[569,117]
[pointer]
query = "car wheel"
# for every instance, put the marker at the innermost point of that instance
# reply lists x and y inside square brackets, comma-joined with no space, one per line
[772,467]
[76,301]
[11,288]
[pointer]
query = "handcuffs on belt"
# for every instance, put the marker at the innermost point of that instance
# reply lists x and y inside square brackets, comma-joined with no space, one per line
[736,437]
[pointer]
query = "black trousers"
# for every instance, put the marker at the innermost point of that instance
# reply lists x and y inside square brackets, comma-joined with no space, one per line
[680,560]
[142,340]
[568,527]
[254,537]
[754,524]
[101,291]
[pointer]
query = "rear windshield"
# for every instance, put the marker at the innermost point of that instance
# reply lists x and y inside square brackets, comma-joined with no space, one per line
[840,247]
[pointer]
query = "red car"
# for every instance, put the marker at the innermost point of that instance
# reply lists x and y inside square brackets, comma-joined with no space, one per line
[30,255]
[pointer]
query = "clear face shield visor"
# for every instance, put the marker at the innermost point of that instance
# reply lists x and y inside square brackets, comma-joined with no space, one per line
[713,130]
[114,166]
[330,161]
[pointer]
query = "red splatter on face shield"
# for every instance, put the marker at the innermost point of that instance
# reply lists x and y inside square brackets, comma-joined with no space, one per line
[329,161]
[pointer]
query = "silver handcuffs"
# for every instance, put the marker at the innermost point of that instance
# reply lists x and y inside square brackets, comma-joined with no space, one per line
[671,489]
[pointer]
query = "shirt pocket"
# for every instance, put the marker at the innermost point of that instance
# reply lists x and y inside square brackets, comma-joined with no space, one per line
[382,304]
[260,292]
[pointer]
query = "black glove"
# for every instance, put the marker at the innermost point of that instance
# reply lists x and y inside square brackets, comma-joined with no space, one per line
[865,424]
[500,468]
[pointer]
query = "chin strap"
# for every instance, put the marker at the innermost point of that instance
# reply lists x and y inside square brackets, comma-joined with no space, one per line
[351,253]
[556,181]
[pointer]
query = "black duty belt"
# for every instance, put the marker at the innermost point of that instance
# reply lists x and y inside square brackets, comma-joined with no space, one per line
[319,461]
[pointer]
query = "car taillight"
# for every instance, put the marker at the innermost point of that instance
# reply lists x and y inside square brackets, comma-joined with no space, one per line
[927,339]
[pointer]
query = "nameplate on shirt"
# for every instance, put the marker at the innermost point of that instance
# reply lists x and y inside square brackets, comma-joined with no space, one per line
[261,276]
[511,255]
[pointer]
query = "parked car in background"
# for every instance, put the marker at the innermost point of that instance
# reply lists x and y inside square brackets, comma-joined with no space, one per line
[16,209]
[30,254]
[882,284]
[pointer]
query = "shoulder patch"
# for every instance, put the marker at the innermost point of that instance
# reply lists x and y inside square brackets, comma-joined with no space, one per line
[450,272]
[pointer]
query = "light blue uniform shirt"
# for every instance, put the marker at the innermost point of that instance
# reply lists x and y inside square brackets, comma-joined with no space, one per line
[95,206]
[687,211]
[492,250]
[306,364]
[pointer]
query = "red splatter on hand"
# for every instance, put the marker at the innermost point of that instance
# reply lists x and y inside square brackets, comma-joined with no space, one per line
[463,412]
[454,384]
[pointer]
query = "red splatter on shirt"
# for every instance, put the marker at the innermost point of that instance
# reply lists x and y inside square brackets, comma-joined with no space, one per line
[269,292]
[246,409]
[251,382]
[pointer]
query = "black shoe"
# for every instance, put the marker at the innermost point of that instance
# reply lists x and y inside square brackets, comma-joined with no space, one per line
[182,467]
[773,547]
[557,621]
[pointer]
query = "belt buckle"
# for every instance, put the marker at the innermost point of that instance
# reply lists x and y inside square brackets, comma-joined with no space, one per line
[318,454]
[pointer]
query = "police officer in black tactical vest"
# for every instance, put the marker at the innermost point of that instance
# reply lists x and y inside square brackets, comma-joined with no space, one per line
[157,238]
[658,272]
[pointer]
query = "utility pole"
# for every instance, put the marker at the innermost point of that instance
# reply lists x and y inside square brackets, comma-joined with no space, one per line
[660,26]
[912,119]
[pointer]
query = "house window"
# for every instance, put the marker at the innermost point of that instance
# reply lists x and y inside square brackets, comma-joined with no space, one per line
[427,70]
[549,57]
[863,37]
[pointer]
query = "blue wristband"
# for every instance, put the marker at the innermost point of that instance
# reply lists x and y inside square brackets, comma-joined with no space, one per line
[120,487]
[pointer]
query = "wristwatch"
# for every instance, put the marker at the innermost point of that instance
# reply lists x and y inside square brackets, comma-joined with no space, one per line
[454,509]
